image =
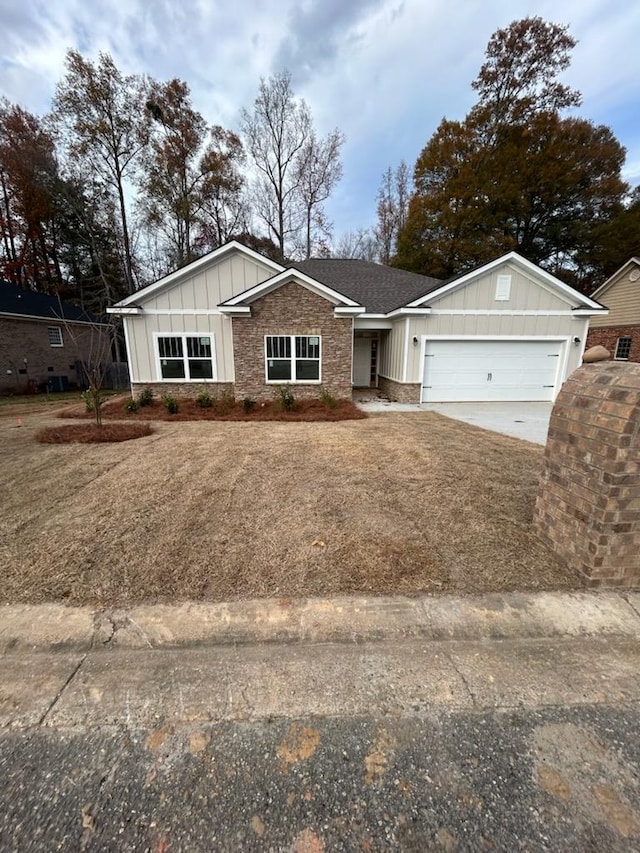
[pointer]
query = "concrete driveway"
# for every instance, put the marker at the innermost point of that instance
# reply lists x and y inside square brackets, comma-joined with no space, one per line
[529,421]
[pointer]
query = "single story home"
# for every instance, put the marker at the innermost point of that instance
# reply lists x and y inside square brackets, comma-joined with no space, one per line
[42,341]
[619,331]
[239,321]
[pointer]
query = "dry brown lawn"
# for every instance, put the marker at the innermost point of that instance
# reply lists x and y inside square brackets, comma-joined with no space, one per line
[395,503]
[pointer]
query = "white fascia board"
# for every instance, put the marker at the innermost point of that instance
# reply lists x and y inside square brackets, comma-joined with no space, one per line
[348,310]
[408,311]
[234,310]
[518,260]
[132,309]
[609,281]
[194,266]
[283,278]
[587,312]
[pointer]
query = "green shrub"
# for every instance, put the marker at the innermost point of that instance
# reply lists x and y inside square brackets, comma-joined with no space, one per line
[204,400]
[88,400]
[131,406]
[328,399]
[170,403]
[248,404]
[145,397]
[223,404]
[286,400]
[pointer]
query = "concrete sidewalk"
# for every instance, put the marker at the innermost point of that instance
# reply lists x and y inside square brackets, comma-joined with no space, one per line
[52,627]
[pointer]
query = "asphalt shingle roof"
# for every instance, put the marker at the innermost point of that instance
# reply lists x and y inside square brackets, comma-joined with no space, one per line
[17,300]
[380,289]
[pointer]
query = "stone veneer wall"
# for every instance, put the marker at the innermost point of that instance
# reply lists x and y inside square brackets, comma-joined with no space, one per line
[184,389]
[588,504]
[399,392]
[607,336]
[292,310]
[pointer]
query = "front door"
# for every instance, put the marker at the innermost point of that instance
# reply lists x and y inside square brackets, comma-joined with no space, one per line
[364,372]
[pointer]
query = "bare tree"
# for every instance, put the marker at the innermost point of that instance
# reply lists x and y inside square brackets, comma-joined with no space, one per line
[392,208]
[319,170]
[92,342]
[275,133]
[102,111]
[360,244]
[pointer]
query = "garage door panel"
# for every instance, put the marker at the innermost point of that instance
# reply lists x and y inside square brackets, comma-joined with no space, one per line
[468,371]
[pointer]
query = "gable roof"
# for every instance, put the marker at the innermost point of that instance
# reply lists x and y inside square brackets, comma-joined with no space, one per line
[612,278]
[569,293]
[379,288]
[287,275]
[188,270]
[18,302]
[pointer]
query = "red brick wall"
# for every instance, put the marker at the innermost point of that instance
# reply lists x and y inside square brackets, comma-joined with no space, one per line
[292,310]
[20,339]
[588,505]
[608,337]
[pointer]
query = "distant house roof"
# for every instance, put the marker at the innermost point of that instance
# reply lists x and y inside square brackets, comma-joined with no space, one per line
[381,289]
[17,301]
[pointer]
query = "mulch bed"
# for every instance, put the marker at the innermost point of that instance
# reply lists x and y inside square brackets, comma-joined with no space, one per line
[92,434]
[188,410]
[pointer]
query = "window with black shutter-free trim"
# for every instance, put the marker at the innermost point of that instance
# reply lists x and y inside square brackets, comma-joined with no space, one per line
[292,358]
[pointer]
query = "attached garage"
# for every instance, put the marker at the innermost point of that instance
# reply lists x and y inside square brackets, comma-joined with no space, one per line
[498,370]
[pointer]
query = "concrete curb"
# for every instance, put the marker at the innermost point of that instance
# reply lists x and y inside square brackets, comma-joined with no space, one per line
[356,619]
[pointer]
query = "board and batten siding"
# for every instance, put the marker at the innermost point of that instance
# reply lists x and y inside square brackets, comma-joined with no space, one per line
[141,341]
[494,326]
[206,289]
[168,311]
[526,294]
[622,298]
[391,353]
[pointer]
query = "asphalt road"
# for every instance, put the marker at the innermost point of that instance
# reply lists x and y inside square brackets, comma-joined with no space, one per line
[503,780]
[412,744]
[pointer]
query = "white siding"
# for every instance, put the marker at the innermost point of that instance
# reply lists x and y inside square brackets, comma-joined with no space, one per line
[392,351]
[210,286]
[526,294]
[142,357]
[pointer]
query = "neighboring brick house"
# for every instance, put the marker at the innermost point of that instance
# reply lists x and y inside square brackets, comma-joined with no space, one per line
[238,321]
[619,331]
[37,350]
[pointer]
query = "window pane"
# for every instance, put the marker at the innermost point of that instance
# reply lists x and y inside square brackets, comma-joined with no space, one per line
[307,370]
[172,368]
[278,346]
[308,346]
[279,369]
[199,347]
[170,347]
[55,336]
[623,348]
[200,368]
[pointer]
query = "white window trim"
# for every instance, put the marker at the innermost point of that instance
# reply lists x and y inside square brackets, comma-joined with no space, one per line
[317,381]
[503,288]
[59,331]
[617,357]
[185,358]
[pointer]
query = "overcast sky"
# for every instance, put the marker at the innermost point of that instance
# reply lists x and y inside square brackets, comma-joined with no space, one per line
[384,71]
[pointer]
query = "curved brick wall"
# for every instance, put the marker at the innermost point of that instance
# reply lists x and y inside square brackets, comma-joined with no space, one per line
[588,505]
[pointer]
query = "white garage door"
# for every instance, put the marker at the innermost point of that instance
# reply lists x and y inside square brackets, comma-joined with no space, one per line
[460,371]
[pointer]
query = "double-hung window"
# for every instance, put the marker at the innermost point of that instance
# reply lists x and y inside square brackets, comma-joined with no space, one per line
[188,357]
[292,358]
